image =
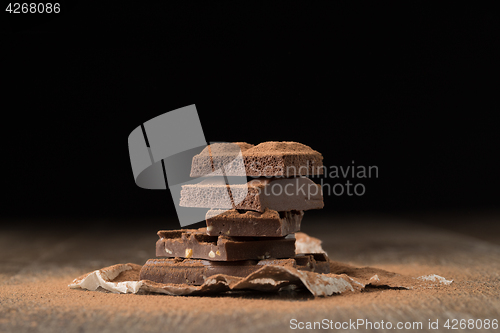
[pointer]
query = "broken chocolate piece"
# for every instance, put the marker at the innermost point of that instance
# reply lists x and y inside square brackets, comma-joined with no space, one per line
[218,159]
[280,194]
[195,271]
[269,159]
[196,244]
[209,193]
[284,159]
[270,223]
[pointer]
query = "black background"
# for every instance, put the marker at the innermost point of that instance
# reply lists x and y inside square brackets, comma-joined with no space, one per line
[412,90]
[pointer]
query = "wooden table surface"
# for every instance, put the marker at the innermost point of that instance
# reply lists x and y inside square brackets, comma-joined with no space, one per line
[38,263]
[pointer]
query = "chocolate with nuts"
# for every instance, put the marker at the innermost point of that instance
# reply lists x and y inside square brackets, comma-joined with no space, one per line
[196,244]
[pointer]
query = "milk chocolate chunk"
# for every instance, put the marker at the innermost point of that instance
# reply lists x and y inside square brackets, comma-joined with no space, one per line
[220,158]
[270,223]
[196,271]
[269,159]
[209,193]
[280,194]
[285,159]
[196,244]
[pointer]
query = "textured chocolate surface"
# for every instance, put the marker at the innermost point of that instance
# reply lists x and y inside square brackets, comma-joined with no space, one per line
[270,223]
[214,157]
[209,193]
[195,271]
[196,244]
[280,194]
[270,159]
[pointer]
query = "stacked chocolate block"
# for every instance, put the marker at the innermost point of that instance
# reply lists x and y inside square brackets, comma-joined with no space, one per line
[249,224]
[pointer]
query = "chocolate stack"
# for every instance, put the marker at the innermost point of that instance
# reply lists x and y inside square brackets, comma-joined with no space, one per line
[248,225]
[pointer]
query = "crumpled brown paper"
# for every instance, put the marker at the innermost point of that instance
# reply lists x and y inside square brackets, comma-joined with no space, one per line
[268,278]
[124,278]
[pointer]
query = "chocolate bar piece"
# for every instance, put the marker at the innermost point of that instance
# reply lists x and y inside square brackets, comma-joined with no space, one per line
[267,159]
[209,193]
[195,271]
[217,155]
[280,194]
[196,244]
[270,223]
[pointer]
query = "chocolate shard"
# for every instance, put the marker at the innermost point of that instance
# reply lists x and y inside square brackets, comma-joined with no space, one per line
[280,194]
[218,159]
[202,163]
[209,193]
[284,159]
[267,159]
[196,244]
[270,223]
[196,271]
